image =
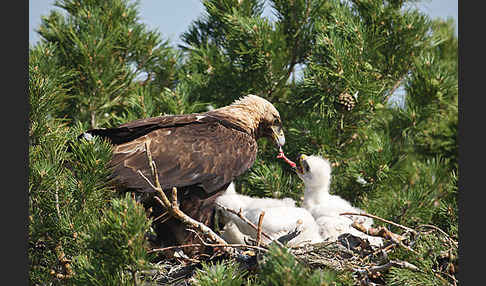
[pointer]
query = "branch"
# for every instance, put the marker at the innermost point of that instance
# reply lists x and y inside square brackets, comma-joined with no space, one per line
[206,244]
[391,263]
[395,86]
[172,206]
[381,219]
[379,232]
[259,232]
[240,215]
[452,241]
[384,233]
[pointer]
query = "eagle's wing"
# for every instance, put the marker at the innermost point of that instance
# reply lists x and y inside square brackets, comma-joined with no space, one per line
[134,129]
[188,150]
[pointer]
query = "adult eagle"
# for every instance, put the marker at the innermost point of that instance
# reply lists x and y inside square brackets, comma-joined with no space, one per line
[199,153]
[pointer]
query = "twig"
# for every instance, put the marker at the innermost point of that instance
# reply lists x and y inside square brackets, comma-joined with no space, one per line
[172,207]
[395,86]
[379,232]
[174,197]
[385,233]
[441,231]
[205,244]
[174,247]
[259,232]
[391,263]
[240,215]
[164,216]
[382,219]
[56,196]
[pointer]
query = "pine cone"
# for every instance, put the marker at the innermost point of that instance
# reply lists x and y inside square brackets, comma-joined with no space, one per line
[347,100]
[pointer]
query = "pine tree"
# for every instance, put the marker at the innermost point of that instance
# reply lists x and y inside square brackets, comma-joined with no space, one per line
[332,69]
[105,46]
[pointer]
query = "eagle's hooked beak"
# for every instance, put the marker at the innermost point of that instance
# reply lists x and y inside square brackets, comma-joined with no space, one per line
[278,135]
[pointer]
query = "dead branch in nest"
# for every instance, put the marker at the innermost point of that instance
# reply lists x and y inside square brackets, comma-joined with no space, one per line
[206,244]
[259,232]
[393,263]
[381,231]
[230,245]
[240,215]
[377,270]
[172,206]
[384,233]
[381,219]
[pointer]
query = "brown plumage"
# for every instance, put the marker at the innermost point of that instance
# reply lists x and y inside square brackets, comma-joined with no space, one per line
[200,154]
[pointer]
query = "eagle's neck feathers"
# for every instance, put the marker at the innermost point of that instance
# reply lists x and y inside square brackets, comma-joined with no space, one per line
[248,113]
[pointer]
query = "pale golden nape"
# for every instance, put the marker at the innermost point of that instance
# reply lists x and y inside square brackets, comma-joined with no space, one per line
[249,113]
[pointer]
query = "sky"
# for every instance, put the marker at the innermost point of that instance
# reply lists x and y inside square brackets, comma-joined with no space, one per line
[173,17]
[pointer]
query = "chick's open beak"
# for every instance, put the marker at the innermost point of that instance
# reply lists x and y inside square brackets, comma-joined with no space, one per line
[300,167]
[278,135]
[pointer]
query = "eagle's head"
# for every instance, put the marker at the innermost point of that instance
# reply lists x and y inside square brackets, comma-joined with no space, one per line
[258,116]
[271,126]
[314,170]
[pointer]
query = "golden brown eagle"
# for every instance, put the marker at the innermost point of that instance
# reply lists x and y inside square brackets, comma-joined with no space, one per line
[200,154]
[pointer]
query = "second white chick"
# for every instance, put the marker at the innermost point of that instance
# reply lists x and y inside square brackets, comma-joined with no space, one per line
[281,217]
[315,171]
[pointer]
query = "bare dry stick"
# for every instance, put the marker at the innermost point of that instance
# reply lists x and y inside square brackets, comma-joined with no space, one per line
[240,215]
[206,244]
[380,232]
[172,207]
[164,217]
[259,232]
[174,197]
[395,263]
[395,86]
[382,219]
[383,232]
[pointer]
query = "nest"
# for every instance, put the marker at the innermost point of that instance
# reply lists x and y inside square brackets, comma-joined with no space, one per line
[368,263]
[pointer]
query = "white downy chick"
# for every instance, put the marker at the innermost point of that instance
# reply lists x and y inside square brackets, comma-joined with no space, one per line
[281,217]
[315,171]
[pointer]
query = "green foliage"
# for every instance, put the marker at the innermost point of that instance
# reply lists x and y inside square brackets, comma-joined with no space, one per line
[103,44]
[219,273]
[47,90]
[115,244]
[278,267]
[332,69]
[433,255]
[281,268]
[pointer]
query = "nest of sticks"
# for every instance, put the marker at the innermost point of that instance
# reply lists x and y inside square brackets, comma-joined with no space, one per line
[368,263]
